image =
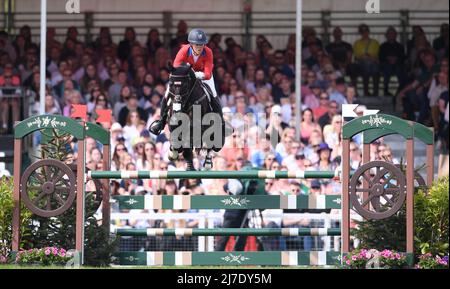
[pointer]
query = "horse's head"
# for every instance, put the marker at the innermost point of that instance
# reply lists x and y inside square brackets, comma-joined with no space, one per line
[181,81]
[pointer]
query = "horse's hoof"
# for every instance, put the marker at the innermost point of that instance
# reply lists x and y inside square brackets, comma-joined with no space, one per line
[156,127]
[207,167]
[173,155]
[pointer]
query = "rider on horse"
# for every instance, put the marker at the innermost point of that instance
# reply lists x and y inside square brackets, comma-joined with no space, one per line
[200,57]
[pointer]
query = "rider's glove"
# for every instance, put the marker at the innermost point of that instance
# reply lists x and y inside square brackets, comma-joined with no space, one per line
[199,75]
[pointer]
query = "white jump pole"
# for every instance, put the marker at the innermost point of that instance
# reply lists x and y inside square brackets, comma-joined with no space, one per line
[298,69]
[43,59]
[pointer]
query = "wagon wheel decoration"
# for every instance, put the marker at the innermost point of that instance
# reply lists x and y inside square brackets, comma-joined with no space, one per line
[386,190]
[419,181]
[48,187]
[93,185]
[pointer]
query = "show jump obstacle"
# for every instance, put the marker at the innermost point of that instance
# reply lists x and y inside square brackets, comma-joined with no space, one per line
[376,190]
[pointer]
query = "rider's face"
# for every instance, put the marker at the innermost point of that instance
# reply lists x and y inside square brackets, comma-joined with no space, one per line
[198,48]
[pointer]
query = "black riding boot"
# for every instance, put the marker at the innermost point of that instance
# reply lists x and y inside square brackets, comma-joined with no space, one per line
[158,125]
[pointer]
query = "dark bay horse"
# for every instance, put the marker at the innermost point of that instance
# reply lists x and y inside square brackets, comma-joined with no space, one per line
[195,118]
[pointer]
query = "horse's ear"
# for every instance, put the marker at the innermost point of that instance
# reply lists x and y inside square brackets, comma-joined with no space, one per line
[169,66]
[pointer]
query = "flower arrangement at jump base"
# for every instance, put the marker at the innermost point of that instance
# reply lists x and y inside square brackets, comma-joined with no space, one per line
[44,256]
[427,261]
[366,259]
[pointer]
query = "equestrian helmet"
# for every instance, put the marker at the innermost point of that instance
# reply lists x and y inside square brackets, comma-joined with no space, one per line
[197,36]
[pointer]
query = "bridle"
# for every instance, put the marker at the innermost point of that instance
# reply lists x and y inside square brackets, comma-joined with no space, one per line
[182,96]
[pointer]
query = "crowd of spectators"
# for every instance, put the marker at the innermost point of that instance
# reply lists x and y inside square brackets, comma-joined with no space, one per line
[130,78]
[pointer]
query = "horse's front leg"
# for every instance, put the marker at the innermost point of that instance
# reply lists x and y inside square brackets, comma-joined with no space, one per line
[188,157]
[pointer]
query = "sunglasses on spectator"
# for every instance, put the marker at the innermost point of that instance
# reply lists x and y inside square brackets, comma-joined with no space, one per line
[121,149]
[163,168]
[149,149]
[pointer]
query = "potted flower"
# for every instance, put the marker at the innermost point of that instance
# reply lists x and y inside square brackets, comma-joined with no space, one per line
[43,257]
[366,259]
[427,261]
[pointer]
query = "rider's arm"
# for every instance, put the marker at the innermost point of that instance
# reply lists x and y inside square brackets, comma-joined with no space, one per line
[181,56]
[208,64]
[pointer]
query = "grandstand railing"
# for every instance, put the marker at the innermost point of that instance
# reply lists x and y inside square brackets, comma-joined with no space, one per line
[243,26]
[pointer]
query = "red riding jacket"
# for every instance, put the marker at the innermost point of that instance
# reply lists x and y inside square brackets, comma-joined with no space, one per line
[204,62]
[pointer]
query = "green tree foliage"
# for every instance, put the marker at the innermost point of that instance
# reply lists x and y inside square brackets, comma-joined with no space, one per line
[431,217]
[6,214]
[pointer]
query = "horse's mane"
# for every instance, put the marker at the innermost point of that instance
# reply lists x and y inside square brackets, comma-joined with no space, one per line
[181,70]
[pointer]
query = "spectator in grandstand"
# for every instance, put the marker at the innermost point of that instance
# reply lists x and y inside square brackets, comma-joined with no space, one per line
[340,51]
[121,101]
[71,97]
[181,37]
[125,45]
[350,95]
[331,132]
[338,93]
[439,84]
[440,44]
[308,125]
[9,93]
[264,153]
[7,47]
[51,105]
[327,117]
[153,42]
[417,30]
[355,156]
[444,121]
[67,83]
[420,47]
[366,51]
[387,155]
[414,95]
[309,39]
[392,59]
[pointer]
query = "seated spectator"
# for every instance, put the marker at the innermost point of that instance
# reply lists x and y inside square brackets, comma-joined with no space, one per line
[130,129]
[71,97]
[331,112]
[66,83]
[392,59]
[440,44]
[51,105]
[351,94]
[414,95]
[307,126]
[9,92]
[126,44]
[180,38]
[439,84]
[366,52]
[338,93]
[339,50]
[331,132]
[355,156]
[131,105]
